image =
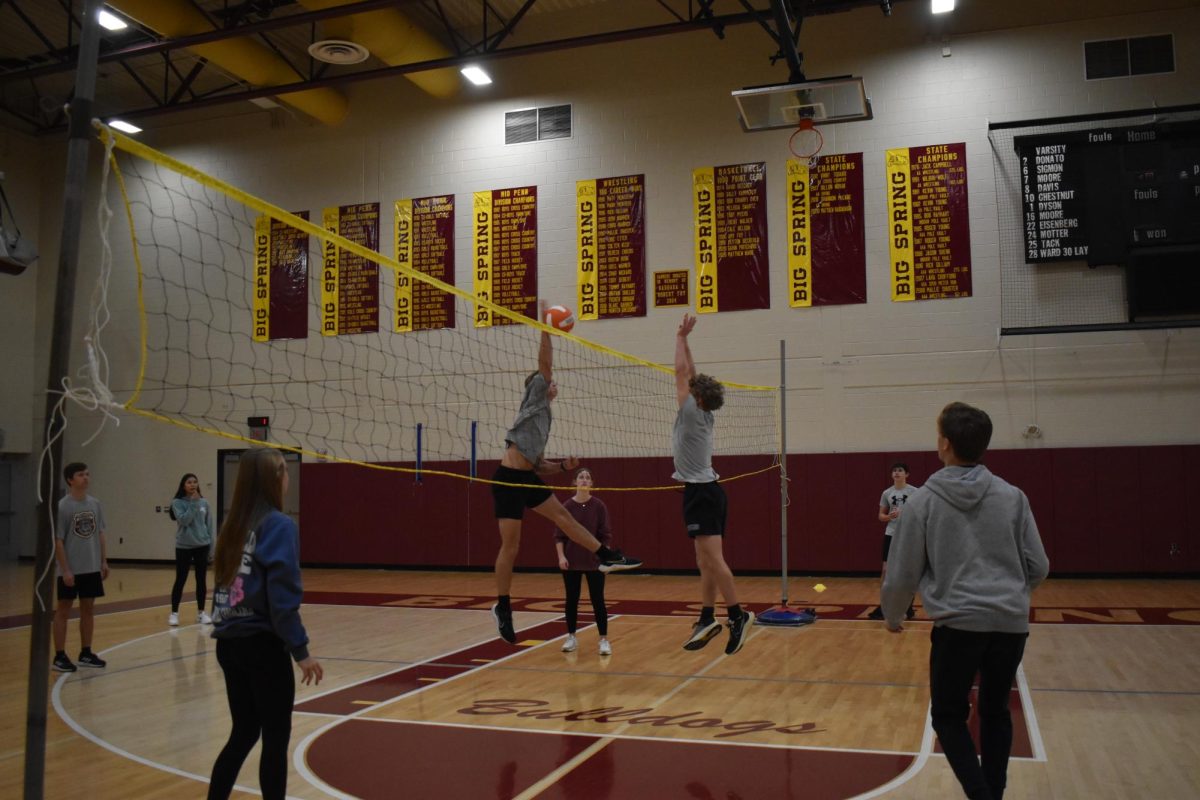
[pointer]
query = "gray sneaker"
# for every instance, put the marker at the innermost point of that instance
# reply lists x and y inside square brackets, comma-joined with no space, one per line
[702,632]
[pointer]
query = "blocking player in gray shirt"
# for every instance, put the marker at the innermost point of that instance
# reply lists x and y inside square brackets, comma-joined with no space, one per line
[80,551]
[704,502]
[517,485]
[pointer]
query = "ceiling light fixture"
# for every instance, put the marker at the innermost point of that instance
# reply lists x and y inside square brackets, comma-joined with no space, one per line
[942,6]
[110,21]
[123,126]
[476,75]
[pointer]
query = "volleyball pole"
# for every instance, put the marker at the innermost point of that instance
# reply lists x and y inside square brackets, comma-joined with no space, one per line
[781,615]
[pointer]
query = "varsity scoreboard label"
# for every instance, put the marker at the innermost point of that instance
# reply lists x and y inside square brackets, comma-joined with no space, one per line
[280,307]
[349,282]
[827,245]
[611,232]
[505,253]
[424,243]
[929,233]
[730,208]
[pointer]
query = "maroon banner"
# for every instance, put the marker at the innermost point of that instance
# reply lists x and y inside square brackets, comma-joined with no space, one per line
[621,247]
[433,254]
[839,243]
[941,221]
[743,271]
[514,258]
[350,288]
[289,281]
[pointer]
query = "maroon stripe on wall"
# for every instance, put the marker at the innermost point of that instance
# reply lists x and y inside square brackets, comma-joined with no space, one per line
[1115,510]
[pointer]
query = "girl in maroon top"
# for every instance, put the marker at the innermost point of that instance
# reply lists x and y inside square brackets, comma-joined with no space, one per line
[577,563]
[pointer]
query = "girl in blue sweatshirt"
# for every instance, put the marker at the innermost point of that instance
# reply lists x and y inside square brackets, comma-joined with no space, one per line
[193,542]
[256,614]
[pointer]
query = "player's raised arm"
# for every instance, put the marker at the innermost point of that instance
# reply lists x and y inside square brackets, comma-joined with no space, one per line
[545,349]
[685,368]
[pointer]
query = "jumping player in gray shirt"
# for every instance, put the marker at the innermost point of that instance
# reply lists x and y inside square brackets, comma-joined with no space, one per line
[704,502]
[519,486]
[967,538]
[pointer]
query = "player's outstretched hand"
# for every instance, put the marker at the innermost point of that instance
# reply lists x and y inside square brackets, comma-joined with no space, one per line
[686,326]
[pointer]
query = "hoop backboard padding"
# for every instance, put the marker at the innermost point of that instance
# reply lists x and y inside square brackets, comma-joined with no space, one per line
[825,102]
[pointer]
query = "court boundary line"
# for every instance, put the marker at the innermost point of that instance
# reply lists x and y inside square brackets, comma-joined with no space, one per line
[1031,723]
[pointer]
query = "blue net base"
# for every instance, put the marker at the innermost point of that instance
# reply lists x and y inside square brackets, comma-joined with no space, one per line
[784,616]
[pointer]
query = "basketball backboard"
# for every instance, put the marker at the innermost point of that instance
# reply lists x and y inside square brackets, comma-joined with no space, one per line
[824,101]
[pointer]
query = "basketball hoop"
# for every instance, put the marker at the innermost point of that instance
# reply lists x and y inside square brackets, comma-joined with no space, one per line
[806,142]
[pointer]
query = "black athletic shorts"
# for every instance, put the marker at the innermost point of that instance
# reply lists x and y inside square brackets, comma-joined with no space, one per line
[511,501]
[704,509]
[86,585]
[887,545]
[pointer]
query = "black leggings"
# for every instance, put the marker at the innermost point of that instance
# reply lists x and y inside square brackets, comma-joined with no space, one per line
[187,558]
[573,580]
[261,689]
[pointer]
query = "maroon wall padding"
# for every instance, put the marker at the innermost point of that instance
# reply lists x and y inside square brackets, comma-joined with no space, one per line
[1099,510]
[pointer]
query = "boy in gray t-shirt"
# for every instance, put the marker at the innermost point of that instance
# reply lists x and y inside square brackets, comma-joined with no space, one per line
[80,551]
[890,503]
[704,502]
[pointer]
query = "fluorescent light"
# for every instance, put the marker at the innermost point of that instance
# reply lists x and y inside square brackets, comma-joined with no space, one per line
[942,6]
[111,21]
[123,126]
[476,75]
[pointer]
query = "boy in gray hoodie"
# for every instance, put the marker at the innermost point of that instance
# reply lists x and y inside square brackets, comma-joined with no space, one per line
[968,541]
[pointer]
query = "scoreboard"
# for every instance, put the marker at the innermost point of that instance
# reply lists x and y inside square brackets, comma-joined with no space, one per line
[1100,193]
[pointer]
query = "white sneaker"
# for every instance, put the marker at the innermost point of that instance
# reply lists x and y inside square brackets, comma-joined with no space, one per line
[173,620]
[570,644]
[605,648]
[204,619]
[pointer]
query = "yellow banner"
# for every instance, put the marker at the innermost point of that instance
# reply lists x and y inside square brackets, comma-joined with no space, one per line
[262,279]
[404,247]
[900,232]
[329,275]
[704,195]
[587,306]
[482,225]
[799,235]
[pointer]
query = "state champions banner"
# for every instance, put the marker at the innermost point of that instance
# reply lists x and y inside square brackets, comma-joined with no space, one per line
[730,212]
[827,246]
[611,237]
[504,230]
[280,307]
[928,222]
[349,282]
[424,229]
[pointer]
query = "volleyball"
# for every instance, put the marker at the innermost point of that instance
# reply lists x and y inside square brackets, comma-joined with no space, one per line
[560,317]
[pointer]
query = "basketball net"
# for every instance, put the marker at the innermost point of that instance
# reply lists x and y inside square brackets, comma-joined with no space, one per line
[806,142]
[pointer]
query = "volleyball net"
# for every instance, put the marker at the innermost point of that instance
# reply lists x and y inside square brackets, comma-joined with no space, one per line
[217,345]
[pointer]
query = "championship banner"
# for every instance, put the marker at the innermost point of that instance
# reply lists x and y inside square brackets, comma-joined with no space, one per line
[424,243]
[611,233]
[827,243]
[929,222]
[730,207]
[280,280]
[505,239]
[349,282]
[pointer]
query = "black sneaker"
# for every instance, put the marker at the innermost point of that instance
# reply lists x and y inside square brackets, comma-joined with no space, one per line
[912,612]
[876,614]
[63,664]
[619,562]
[504,623]
[92,660]
[739,632]
[702,632]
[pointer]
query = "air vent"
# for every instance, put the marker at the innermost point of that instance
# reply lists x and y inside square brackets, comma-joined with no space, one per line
[338,51]
[537,124]
[1121,58]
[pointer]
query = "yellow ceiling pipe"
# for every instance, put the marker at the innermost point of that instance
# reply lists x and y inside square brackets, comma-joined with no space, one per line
[244,57]
[394,39]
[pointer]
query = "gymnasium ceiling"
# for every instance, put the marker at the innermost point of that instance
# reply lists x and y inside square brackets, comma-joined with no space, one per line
[206,56]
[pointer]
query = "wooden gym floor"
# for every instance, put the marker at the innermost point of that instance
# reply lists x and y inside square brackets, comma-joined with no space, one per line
[422,700]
